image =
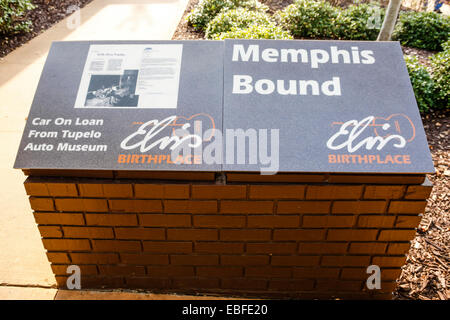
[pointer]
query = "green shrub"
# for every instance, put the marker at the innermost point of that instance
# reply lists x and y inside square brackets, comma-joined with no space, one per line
[11,16]
[309,19]
[239,18]
[206,10]
[422,83]
[359,22]
[255,32]
[425,30]
[440,72]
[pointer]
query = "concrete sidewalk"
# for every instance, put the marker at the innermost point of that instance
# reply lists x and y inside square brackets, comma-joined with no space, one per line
[22,257]
[29,293]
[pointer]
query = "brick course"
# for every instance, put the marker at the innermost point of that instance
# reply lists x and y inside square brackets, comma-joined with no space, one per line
[288,234]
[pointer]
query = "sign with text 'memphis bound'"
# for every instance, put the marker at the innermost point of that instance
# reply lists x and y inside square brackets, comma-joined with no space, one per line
[240,105]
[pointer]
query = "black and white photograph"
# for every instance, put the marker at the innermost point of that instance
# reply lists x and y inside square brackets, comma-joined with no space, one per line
[113,90]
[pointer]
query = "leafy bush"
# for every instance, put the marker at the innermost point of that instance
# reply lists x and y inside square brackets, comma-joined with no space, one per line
[255,32]
[440,68]
[12,16]
[359,22]
[309,19]
[206,10]
[422,83]
[239,18]
[425,30]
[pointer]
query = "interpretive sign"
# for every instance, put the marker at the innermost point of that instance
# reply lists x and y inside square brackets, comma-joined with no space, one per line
[239,105]
[324,106]
[123,105]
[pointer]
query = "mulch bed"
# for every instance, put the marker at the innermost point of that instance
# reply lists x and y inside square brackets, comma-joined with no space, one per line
[426,274]
[45,15]
[422,55]
[184,31]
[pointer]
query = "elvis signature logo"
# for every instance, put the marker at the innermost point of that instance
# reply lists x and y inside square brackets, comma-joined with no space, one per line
[146,136]
[182,138]
[372,133]
[396,130]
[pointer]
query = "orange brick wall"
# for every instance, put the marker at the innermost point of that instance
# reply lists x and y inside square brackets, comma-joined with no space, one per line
[291,235]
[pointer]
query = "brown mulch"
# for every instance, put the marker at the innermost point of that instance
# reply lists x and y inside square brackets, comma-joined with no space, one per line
[45,15]
[184,31]
[426,274]
[275,5]
[422,55]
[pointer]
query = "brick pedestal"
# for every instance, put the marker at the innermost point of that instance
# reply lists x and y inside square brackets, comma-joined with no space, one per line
[288,235]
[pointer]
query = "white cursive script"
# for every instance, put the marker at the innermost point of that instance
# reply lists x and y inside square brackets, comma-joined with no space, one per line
[152,128]
[369,142]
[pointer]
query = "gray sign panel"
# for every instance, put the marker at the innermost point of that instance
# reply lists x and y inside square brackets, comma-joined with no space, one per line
[303,106]
[336,106]
[110,105]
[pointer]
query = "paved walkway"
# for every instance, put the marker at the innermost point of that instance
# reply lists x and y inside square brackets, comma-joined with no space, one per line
[22,259]
[28,293]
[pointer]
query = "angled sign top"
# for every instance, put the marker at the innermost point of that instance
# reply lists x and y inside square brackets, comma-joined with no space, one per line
[338,106]
[237,105]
